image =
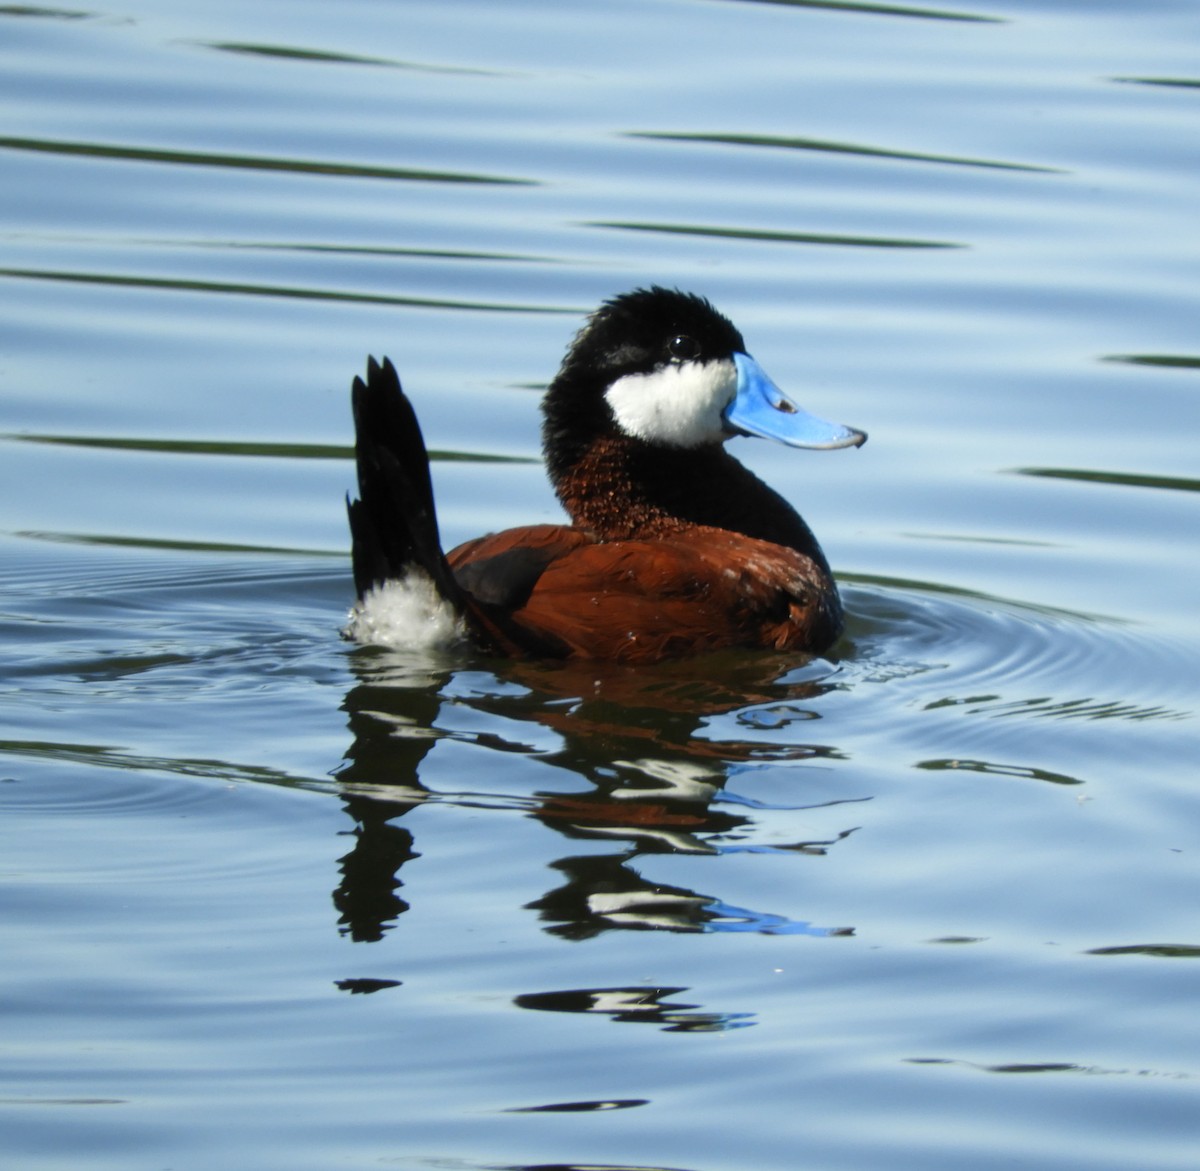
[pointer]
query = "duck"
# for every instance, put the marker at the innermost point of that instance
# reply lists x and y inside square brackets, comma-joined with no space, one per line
[673,547]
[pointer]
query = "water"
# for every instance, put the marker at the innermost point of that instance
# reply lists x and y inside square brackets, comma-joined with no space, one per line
[272,901]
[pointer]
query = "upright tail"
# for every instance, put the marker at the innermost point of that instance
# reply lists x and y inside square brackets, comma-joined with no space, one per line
[407,593]
[393,523]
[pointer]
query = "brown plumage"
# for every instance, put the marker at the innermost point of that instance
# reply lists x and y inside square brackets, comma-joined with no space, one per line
[643,599]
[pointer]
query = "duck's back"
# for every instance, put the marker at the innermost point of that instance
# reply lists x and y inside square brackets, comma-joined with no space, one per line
[561,591]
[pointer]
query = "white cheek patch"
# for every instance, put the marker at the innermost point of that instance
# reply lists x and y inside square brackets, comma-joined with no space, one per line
[680,406]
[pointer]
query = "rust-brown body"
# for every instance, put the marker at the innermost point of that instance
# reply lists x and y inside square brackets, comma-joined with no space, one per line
[647,599]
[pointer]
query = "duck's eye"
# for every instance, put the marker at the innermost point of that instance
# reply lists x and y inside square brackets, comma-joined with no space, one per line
[683,348]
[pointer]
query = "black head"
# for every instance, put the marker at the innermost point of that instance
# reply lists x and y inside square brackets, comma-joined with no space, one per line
[642,333]
[663,368]
[646,330]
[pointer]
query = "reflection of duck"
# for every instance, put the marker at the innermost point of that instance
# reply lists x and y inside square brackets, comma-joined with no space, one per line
[635,757]
[674,547]
[603,894]
[637,1004]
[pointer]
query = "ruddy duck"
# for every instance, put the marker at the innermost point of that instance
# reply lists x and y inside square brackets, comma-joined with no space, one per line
[674,548]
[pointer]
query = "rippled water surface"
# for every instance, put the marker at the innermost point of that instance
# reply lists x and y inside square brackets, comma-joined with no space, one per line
[270,901]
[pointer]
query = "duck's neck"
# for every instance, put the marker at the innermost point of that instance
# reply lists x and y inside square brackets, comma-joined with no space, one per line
[622,489]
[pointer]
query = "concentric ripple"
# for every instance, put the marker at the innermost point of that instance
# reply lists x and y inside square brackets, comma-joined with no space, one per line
[1002,658]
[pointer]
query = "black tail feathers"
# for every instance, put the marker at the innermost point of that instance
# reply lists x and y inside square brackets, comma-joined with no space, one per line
[393,523]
